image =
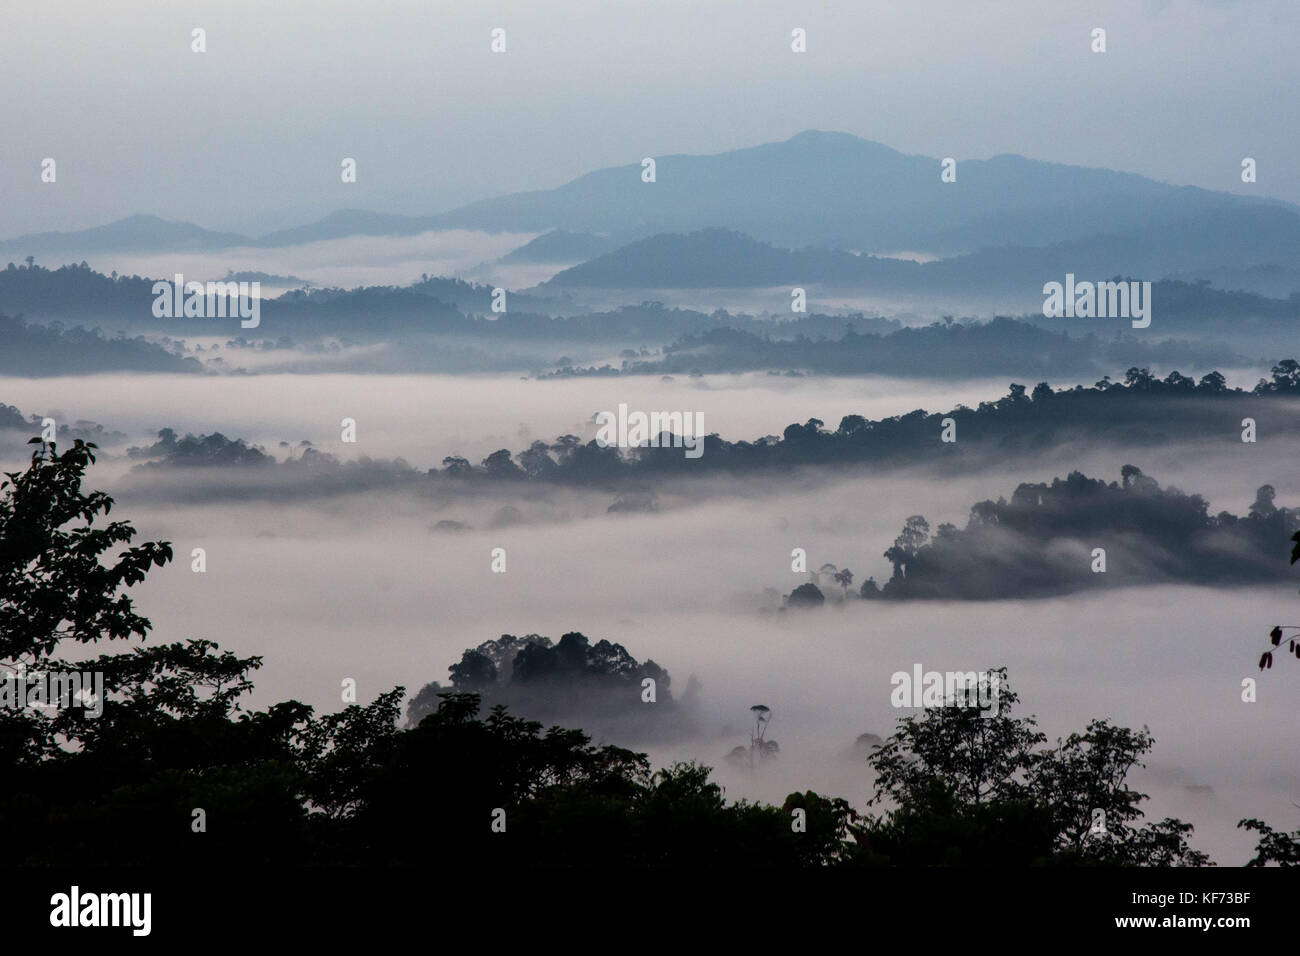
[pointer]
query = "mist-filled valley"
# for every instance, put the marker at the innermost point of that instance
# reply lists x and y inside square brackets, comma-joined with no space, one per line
[641,439]
[389,574]
[548,466]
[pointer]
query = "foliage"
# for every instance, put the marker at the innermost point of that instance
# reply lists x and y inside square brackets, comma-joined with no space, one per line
[175,741]
[973,790]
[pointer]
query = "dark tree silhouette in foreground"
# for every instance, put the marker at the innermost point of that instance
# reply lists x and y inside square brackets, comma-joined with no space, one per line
[967,789]
[284,785]
[1274,847]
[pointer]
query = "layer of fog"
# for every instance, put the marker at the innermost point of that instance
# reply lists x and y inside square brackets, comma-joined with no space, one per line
[425,418]
[361,586]
[348,262]
[354,261]
[927,306]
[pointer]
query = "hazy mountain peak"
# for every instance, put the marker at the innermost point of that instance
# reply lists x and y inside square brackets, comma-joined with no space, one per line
[823,188]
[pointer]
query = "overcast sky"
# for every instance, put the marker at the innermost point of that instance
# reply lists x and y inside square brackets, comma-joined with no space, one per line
[250,134]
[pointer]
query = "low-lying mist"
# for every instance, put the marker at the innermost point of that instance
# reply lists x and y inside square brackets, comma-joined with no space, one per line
[368,586]
[363,588]
[346,262]
[425,418]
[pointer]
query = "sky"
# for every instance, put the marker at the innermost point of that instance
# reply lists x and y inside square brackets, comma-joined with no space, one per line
[250,134]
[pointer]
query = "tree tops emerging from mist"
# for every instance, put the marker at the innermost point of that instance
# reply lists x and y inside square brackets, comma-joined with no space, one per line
[572,679]
[305,469]
[14,427]
[1043,542]
[31,350]
[286,785]
[694,341]
[949,350]
[1141,409]
[437,306]
[200,451]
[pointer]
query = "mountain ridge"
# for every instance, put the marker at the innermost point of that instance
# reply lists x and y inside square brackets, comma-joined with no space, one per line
[820,188]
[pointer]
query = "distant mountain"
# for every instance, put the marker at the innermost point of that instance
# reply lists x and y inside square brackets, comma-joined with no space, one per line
[347,222]
[266,278]
[1193,245]
[723,259]
[75,294]
[836,190]
[560,246]
[1275,280]
[132,234]
[719,258]
[823,189]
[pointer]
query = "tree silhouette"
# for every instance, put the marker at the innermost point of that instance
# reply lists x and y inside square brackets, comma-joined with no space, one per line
[1274,846]
[284,785]
[969,789]
[53,586]
[171,735]
[844,578]
[806,595]
[910,540]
